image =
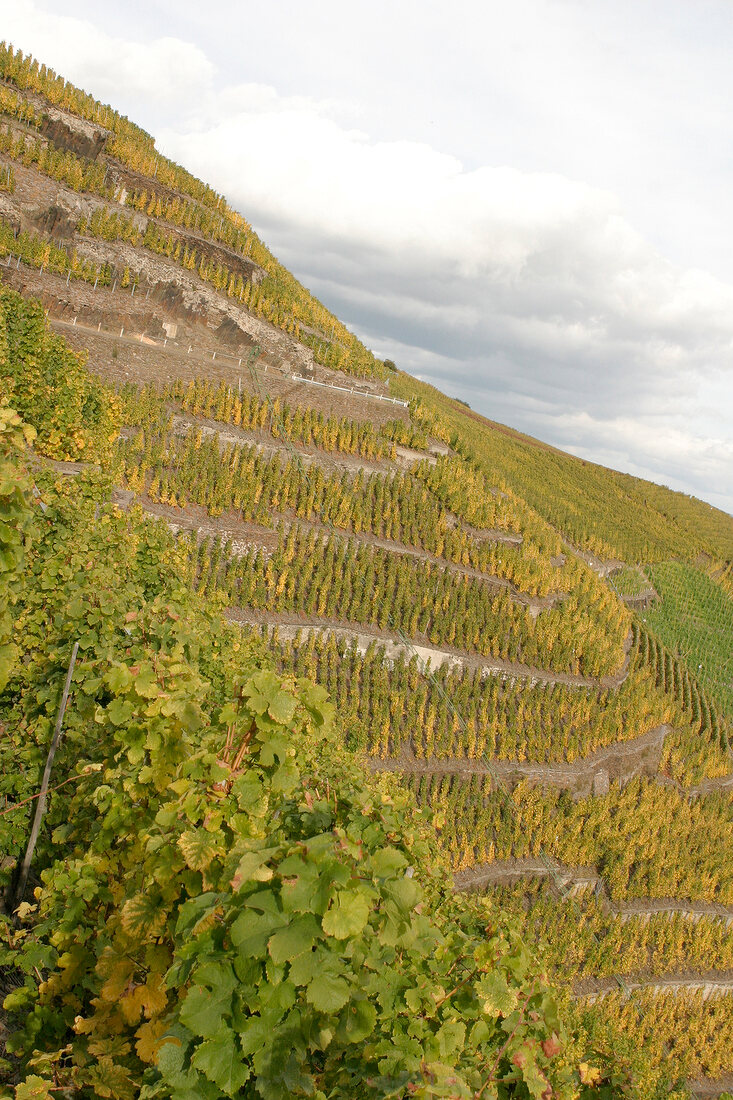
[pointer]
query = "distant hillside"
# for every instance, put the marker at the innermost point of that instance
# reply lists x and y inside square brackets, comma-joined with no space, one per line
[608,514]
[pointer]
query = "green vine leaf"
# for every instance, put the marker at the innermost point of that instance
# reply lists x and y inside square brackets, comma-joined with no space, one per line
[328,992]
[347,915]
[219,1059]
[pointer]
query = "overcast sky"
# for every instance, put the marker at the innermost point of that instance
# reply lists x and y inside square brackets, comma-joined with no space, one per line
[527,204]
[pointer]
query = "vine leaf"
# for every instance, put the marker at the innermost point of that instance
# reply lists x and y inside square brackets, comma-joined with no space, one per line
[203,1009]
[296,938]
[143,916]
[499,999]
[357,1022]
[347,917]
[149,1040]
[328,992]
[282,707]
[34,1088]
[218,1059]
[199,848]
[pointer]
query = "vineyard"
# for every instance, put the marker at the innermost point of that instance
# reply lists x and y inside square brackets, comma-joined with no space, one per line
[241,888]
[694,618]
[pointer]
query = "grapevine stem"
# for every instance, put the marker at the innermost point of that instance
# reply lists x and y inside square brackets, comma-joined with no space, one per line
[502,1051]
[243,750]
[456,988]
[32,797]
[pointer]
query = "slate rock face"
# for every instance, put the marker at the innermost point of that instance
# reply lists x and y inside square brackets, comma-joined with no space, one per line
[65,137]
[601,782]
[56,222]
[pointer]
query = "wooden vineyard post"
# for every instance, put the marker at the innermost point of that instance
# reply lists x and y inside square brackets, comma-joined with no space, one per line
[25,866]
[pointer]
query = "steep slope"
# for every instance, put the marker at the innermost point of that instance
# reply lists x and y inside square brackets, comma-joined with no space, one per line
[559,747]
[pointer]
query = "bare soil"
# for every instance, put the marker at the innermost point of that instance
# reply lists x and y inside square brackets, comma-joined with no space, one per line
[422,646]
[712,983]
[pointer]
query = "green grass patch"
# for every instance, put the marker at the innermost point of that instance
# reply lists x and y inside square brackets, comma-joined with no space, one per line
[694,618]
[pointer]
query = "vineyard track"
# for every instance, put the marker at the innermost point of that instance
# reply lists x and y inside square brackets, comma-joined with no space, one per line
[719,783]
[600,568]
[150,360]
[576,879]
[334,460]
[292,623]
[583,776]
[188,519]
[310,456]
[245,535]
[704,1087]
[503,871]
[710,982]
[620,761]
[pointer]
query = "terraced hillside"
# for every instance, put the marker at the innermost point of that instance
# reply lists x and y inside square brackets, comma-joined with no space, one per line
[498,623]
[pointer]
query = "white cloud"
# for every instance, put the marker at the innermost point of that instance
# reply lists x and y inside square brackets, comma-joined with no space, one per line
[167,69]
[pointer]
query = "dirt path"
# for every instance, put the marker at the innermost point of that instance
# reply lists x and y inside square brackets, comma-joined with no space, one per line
[189,519]
[712,983]
[620,761]
[150,359]
[719,783]
[703,1087]
[572,881]
[244,535]
[230,434]
[289,624]
[338,460]
[503,872]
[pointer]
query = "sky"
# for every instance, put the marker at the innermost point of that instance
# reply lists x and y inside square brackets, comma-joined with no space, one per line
[526,204]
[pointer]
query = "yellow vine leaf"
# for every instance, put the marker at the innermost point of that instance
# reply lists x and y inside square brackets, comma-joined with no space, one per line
[34,1088]
[199,848]
[149,1040]
[113,1046]
[589,1075]
[142,917]
[153,996]
[131,1007]
[118,980]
